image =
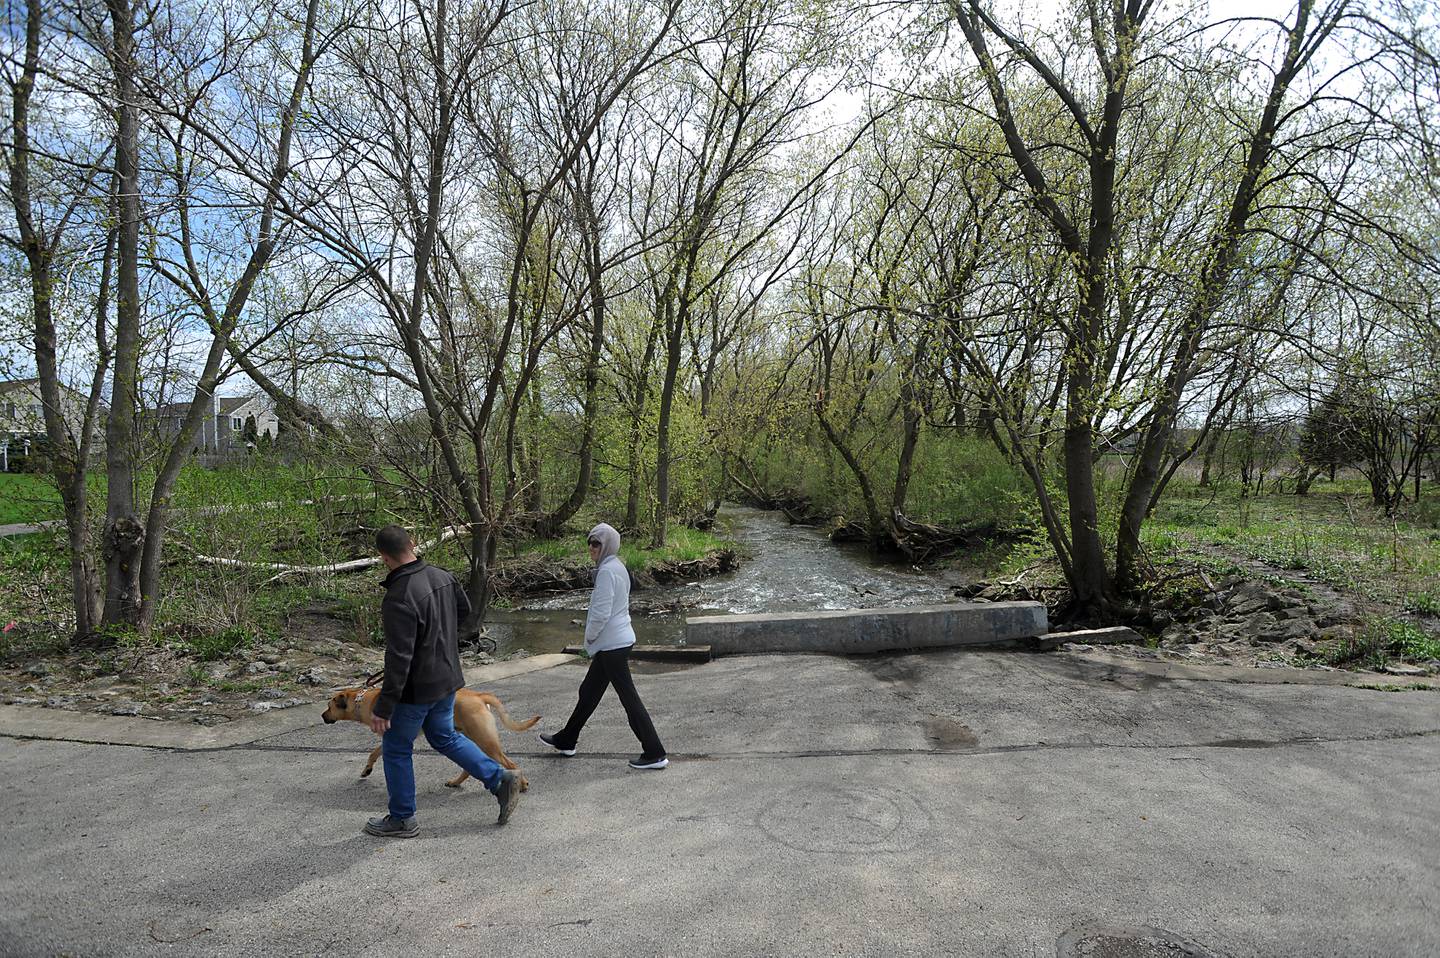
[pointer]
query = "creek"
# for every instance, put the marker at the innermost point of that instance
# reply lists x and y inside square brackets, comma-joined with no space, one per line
[784,568]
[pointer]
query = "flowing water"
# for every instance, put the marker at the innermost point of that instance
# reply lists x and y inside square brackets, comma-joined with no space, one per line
[784,568]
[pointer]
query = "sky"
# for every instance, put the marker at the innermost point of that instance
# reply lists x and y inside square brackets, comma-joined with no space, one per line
[16,359]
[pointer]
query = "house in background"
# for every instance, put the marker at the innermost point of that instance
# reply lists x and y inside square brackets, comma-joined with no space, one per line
[22,419]
[222,431]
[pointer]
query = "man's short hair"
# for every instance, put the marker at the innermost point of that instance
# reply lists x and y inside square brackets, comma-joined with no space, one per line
[394,541]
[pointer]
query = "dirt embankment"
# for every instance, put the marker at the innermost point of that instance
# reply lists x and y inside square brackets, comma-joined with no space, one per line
[319,648]
[1262,621]
[535,575]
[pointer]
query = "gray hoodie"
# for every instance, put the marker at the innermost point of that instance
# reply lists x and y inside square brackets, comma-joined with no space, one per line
[607,622]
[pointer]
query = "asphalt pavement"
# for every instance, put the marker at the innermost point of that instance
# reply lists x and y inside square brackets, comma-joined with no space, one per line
[983,803]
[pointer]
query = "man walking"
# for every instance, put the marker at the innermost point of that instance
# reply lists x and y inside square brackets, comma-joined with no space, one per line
[422,610]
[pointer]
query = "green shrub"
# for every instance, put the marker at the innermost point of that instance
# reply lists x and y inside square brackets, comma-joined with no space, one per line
[1365,650]
[1383,639]
[1425,602]
[1161,544]
[1426,512]
[1409,641]
[35,555]
[209,646]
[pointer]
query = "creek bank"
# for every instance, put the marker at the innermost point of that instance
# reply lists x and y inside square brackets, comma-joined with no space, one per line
[316,650]
[163,682]
[917,542]
[538,575]
[1244,621]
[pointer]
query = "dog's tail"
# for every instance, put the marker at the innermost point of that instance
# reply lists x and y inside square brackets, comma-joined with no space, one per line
[504,716]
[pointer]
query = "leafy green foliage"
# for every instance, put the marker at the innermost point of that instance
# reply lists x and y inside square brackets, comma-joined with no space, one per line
[209,646]
[1383,639]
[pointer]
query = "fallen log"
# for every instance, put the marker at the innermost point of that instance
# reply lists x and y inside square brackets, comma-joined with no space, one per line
[664,573]
[534,574]
[285,570]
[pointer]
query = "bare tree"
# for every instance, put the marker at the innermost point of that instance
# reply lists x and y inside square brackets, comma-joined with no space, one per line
[46,216]
[1084,175]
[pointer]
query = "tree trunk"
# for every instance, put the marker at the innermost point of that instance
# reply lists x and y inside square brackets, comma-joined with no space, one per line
[637,418]
[1208,458]
[910,439]
[632,492]
[867,492]
[124,533]
[534,475]
[1090,579]
[1214,278]
[477,586]
[673,337]
[552,523]
[69,460]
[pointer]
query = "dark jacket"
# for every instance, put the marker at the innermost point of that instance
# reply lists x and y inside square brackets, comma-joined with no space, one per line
[422,609]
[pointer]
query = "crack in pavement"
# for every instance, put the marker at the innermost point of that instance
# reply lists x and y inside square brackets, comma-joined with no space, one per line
[1222,744]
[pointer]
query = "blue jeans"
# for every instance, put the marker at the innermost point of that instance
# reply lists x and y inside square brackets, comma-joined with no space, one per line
[437,719]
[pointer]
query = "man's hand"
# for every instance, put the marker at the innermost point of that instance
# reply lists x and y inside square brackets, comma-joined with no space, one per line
[379,725]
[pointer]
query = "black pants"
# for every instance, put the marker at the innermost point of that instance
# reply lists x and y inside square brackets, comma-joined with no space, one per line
[611,668]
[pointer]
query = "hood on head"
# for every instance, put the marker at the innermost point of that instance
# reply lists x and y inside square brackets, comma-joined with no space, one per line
[609,540]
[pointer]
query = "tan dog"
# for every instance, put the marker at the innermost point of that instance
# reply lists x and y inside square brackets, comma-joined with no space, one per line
[472,717]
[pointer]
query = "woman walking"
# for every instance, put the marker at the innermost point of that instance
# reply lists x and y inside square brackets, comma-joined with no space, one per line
[608,638]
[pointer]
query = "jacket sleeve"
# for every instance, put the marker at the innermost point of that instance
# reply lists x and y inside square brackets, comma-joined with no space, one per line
[400,629]
[602,605]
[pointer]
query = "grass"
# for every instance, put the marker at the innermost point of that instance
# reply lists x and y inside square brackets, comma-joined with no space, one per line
[28,498]
[683,544]
[209,646]
[1409,641]
[1334,535]
[210,613]
[1425,602]
[32,497]
[1384,639]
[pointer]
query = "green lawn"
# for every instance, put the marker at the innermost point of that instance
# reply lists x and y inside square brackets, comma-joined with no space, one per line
[25,497]
[28,497]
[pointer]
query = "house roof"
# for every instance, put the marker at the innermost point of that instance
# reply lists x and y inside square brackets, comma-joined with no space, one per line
[224,406]
[10,385]
[14,384]
[229,404]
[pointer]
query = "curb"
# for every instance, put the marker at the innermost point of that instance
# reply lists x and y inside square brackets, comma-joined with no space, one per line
[28,721]
[1247,674]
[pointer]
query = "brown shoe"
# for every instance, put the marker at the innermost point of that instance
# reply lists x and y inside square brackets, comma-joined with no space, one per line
[508,795]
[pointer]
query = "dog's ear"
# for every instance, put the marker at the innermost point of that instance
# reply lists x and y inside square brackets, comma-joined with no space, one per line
[340,703]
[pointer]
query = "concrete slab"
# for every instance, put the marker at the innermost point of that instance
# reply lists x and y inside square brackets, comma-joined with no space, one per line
[1112,635]
[1274,675]
[947,803]
[868,630]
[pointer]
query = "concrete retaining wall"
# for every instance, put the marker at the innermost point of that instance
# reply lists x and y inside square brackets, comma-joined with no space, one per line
[869,630]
